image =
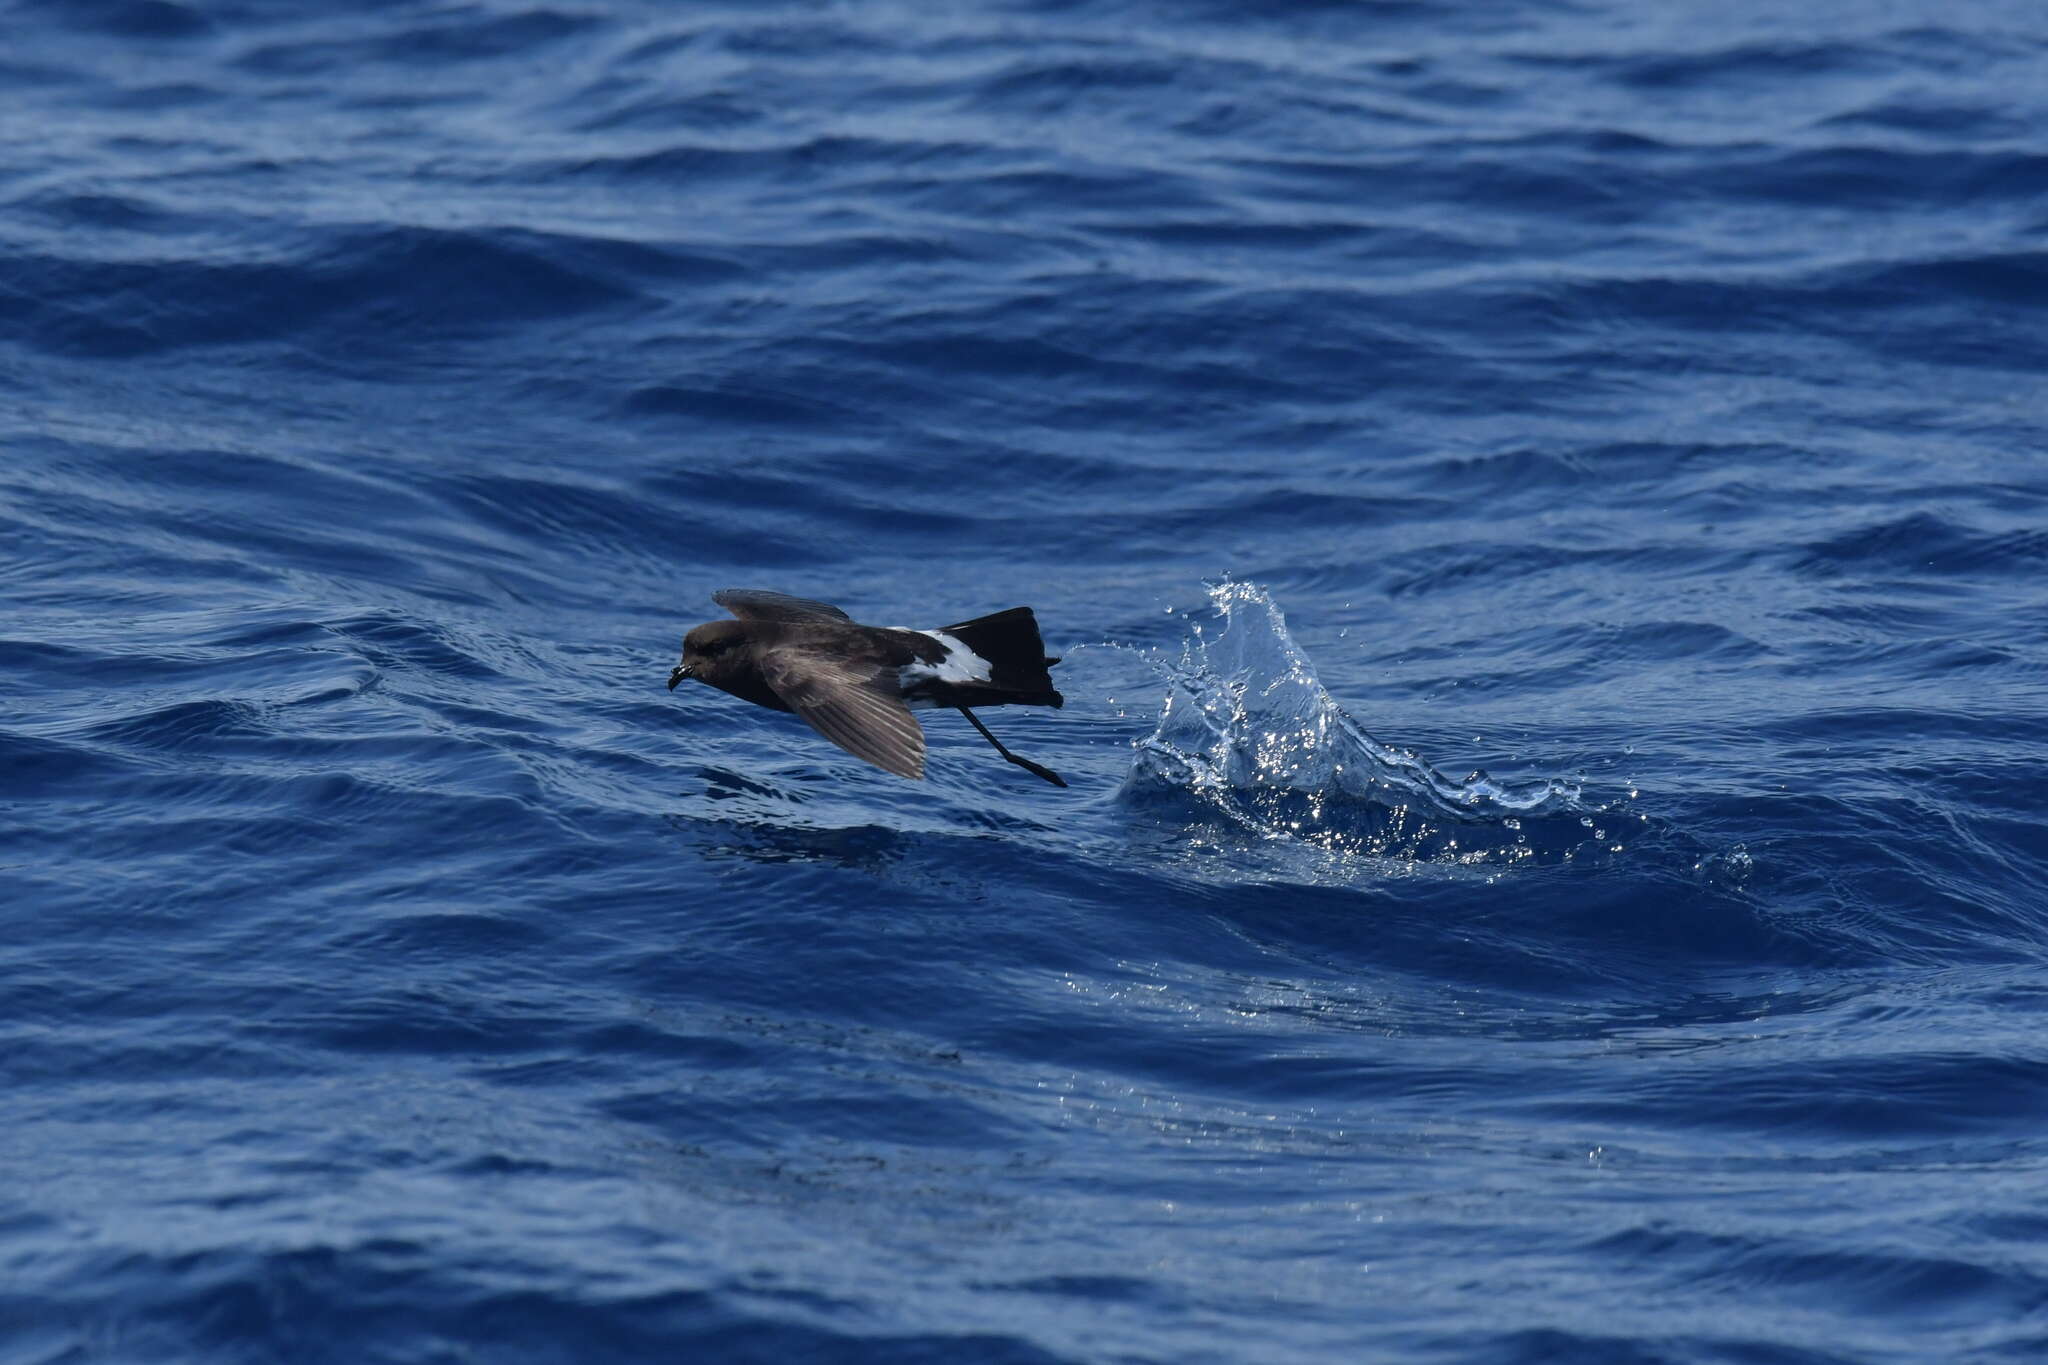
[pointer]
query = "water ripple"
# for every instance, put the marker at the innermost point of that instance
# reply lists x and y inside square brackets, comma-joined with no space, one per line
[1633,401]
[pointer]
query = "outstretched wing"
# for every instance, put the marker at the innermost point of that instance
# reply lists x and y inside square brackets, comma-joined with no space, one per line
[758,604]
[855,706]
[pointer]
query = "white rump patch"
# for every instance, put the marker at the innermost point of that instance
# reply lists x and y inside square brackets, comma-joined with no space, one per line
[960,667]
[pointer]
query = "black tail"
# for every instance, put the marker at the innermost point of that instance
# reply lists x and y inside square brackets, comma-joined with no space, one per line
[1016,655]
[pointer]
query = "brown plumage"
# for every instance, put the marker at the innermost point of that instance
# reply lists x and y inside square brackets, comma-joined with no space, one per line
[856,685]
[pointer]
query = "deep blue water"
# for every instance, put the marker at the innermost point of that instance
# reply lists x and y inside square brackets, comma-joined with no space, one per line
[1545,507]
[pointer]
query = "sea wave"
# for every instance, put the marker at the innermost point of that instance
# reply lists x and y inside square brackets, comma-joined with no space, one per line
[1249,735]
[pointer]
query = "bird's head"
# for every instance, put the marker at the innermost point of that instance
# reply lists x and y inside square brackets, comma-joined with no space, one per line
[711,653]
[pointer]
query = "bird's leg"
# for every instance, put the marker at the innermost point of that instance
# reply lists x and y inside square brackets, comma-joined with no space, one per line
[1025,763]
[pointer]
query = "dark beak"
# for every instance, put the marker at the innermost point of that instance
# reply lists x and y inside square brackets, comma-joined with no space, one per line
[682,672]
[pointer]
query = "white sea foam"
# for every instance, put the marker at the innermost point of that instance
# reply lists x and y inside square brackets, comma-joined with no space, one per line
[1249,731]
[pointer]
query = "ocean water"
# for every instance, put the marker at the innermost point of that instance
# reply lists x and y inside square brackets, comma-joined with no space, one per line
[1545,509]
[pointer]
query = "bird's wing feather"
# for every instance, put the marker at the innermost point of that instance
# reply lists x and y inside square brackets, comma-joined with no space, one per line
[856,707]
[758,604]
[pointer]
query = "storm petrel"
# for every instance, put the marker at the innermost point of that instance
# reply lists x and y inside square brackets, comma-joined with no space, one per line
[857,685]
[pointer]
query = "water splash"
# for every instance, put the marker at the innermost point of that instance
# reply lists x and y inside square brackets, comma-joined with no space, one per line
[1250,735]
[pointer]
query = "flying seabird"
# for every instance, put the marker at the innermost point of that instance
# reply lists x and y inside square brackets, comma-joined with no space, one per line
[857,685]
